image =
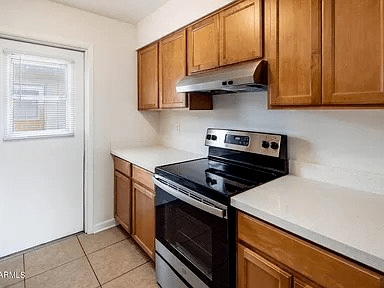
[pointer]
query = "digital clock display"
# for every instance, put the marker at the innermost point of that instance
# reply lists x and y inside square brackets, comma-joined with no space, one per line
[237,140]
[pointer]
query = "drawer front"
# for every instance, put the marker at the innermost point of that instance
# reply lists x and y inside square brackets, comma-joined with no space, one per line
[143,176]
[317,264]
[122,166]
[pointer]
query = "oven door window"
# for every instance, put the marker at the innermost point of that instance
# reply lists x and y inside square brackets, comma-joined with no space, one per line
[197,238]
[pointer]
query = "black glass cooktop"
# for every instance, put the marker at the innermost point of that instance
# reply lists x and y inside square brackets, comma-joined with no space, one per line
[215,179]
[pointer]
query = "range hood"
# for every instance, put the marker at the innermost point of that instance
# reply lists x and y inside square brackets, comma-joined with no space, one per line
[247,77]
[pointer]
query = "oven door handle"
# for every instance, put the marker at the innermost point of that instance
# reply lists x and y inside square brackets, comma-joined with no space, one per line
[222,213]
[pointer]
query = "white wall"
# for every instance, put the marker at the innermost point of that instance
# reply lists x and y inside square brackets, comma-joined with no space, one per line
[115,113]
[173,15]
[338,146]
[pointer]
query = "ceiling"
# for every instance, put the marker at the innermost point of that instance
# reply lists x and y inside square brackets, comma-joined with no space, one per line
[130,11]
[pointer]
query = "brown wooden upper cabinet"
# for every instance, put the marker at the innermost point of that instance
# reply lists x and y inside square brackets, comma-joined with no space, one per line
[173,67]
[148,77]
[353,52]
[241,32]
[331,56]
[293,51]
[231,36]
[203,45]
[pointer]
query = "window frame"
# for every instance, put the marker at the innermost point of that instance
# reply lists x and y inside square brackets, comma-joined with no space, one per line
[9,97]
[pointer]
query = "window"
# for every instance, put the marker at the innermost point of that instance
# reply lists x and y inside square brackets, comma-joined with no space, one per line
[39,96]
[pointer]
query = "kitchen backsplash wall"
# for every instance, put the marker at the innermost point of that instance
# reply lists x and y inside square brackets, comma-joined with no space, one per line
[344,147]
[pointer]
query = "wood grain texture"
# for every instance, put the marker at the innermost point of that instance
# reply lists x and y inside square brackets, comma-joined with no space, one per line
[300,284]
[148,77]
[123,200]
[172,68]
[257,272]
[143,176]
[143,218]
[353,52]
[200,101]
[293,51]
[241,32]
[203,45]
[122,166]
[318,265]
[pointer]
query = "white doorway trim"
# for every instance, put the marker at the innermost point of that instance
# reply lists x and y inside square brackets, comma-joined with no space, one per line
[87,49]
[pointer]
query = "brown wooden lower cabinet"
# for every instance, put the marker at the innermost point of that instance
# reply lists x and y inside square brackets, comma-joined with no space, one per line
[257,272]
[134,203]
[123,200]
[268,257]
[143,219]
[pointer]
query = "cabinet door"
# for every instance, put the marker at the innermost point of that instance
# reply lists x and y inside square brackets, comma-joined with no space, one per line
[293,46]
[148,74]
[255,271]
[123,200]
[241,32]
[173,67]
[144,218]
[203,45]
[353,52]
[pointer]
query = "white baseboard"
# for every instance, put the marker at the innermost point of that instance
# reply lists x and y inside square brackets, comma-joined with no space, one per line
[104,225]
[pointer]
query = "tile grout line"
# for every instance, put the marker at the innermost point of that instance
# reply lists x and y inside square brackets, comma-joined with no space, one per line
[54,267]
[128,271]
[89,262]
[37,247]
[107,246]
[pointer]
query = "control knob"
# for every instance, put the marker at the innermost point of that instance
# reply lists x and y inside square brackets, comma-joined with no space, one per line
[274,145]
[265,144]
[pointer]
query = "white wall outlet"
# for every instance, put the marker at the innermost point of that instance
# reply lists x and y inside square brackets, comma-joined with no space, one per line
[177,128]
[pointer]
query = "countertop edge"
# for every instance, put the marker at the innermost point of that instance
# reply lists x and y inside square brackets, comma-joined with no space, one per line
[149,165]
[336,246]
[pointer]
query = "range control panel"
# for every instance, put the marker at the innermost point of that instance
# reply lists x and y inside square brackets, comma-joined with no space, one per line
[253,142]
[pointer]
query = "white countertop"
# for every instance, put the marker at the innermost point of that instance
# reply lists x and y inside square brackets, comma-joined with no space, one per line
[150,157]
[345,220]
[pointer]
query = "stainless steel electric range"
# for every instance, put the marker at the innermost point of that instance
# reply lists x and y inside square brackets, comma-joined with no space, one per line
[195,224]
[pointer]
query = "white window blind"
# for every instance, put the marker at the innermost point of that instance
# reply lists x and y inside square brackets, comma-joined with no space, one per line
[39,96]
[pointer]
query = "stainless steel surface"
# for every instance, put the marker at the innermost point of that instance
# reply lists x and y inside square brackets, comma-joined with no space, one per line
[255,141]
[177,265]
[191,197]
[247,77]
[165,276]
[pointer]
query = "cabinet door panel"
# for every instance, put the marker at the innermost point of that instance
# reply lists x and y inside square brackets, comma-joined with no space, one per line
[148,74]
[353,52]
[241,32]
[293,45]
[319,265]
[143,176]
[203,45]
[255,271]
[123,200]
[144,218]
[173,67]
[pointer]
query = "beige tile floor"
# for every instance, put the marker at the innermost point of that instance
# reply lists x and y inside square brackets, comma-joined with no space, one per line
[109,259]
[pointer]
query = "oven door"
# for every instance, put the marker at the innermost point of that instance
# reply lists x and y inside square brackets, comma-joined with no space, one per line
[194,230]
